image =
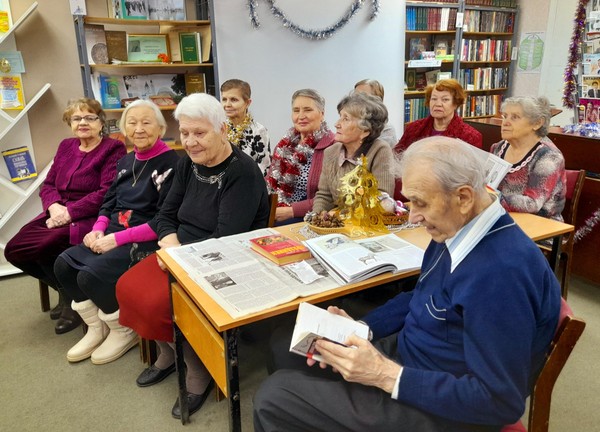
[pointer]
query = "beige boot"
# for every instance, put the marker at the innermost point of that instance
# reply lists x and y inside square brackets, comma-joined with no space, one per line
[95,335]
[120,340]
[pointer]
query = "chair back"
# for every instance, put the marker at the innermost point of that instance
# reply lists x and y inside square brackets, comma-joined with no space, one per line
[575,179]
[273,200]
[568,333]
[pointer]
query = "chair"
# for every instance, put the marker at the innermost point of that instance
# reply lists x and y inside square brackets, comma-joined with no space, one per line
[44,296]
[575,180]
[568,333]
[273,200]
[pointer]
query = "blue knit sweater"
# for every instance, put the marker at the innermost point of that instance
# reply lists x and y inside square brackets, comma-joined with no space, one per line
[472,341]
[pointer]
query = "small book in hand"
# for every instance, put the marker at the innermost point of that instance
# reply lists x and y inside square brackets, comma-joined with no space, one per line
[280,249]
[314,323]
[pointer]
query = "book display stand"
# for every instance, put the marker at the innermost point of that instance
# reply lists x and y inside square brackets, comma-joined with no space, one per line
[14,132]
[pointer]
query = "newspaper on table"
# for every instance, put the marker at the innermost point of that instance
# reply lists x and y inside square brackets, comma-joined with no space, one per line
[243,282]
[350,261]
[495,167]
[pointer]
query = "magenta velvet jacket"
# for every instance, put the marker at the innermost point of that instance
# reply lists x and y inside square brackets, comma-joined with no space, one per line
[79,181]
[423,128]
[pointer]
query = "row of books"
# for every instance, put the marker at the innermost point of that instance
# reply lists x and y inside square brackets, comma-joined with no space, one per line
[170,10]
[116,46]
[436,19]
[489,21]
[495,3]
[485,50]
[116,91]
[478,106]
[415,109]
[484,78]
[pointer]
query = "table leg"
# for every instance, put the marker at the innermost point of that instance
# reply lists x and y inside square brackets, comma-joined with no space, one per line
[180,368]
[233,380]
[179,362]
[555,252]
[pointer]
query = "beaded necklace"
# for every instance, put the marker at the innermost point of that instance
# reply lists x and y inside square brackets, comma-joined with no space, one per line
[235,133]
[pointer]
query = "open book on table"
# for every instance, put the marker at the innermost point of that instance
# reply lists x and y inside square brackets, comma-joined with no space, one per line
[314,323]
[350,261]
[243,282]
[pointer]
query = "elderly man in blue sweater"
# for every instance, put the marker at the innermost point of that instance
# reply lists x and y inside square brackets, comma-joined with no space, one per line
[459,352]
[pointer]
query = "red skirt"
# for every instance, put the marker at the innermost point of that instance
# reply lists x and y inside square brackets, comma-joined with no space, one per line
[144,300]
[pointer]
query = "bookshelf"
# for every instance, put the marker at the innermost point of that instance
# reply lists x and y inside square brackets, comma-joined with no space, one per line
[136,79]
[16,203]
[472,41]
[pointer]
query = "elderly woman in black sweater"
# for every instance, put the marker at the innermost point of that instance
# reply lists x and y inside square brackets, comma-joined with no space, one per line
[218,190]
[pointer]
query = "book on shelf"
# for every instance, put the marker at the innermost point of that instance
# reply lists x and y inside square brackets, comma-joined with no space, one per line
[314,323]
[280,249]
[19,163]
[195,83]
[241,281]
[95,44]
[411,79]
[420,81]
[432,76]
[110,96]
[173,10]
[417,46]
[134,9]
[116,45]
[11,92]
[5,16]
[114,9]
[190,46]
[349,261]
[144,86]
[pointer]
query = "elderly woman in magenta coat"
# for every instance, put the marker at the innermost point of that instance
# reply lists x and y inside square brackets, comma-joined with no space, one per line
[83,169]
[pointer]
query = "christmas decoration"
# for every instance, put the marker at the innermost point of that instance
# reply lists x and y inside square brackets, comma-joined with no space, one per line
[312,34]
[588,226]
[574,48]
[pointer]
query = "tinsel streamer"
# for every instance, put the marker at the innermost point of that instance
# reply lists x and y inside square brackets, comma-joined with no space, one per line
[569,76]
[311,34]
[588,226]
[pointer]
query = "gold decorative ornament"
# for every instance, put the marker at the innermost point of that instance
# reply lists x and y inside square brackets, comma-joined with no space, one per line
[235,133]
[5,66]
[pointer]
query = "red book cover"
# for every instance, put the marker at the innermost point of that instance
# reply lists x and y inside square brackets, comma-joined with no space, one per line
[280,249]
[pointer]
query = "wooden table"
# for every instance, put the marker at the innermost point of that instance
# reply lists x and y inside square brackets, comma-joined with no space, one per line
[213,333]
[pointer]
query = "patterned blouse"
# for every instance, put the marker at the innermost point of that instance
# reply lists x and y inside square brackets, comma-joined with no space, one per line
[255,143]
[536,184]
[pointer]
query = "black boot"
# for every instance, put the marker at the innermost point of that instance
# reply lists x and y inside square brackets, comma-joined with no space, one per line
[69,320]
[56,311]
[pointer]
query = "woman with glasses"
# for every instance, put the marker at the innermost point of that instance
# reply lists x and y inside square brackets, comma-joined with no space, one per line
[83,169]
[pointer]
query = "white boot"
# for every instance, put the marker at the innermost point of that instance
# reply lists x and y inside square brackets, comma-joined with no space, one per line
[95,335]
[120,340]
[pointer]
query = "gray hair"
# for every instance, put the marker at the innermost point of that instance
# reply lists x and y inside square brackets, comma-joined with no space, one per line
[144,103]
[453,162]
[371,113]
[311,94]
[202,106]
[534,110]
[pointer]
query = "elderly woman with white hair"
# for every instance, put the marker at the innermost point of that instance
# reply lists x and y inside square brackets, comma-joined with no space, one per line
[537,180]
[218,190]
[124,233]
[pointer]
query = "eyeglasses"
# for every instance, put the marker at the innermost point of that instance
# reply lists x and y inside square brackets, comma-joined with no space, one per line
[87,118]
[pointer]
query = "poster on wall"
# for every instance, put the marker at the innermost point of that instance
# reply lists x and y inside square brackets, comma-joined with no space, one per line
[531,52]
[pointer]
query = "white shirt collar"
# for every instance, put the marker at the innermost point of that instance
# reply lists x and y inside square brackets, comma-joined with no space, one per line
[465,240]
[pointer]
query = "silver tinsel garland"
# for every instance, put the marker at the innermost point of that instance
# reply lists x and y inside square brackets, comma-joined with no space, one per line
[312,34]
[589,225]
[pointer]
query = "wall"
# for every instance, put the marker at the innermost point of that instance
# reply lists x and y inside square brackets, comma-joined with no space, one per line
[47,43]
[276,62]
[555,18]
